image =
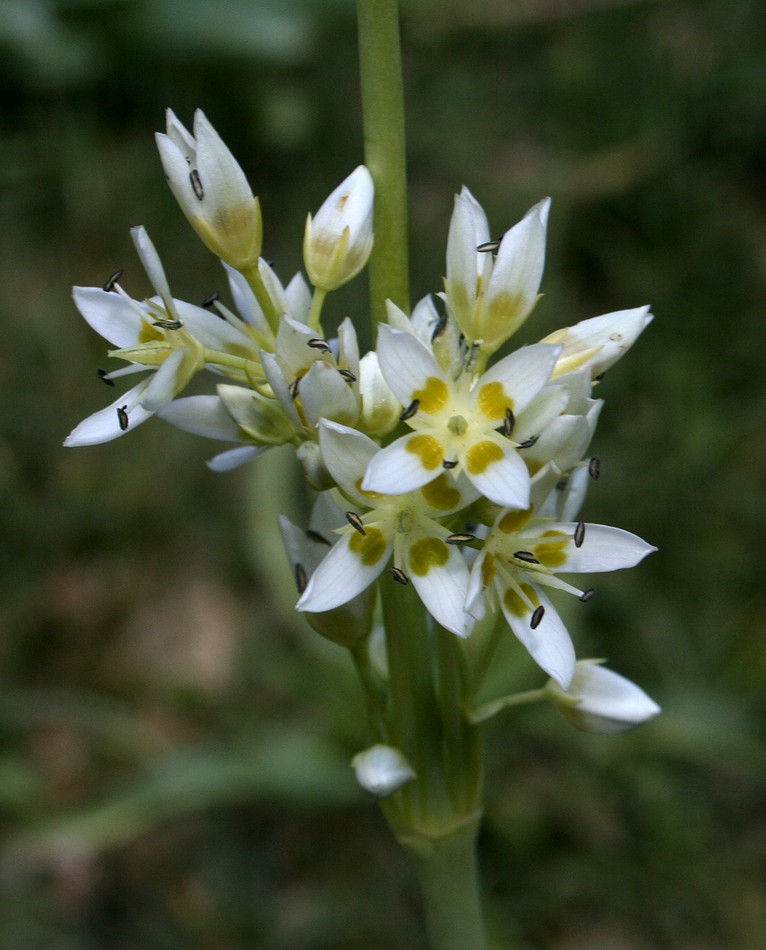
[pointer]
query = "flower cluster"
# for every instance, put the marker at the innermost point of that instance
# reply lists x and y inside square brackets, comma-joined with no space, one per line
[460,472]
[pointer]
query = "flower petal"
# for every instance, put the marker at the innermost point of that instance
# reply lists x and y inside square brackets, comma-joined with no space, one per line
[549,644]
[521,374]
[408,463]
[202,415]
[325,393]
[408,366]
[108,424]
[601,701]
[350,567]
[234,458]
[440,575]
[494,466]
[115,318]
[603,549]
[346,453]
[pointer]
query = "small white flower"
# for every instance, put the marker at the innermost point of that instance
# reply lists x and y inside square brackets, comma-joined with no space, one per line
[455,422]
[598,700]
[338,240]
[523,555]
[490,299]
[599,342]
[162,335]
[404,527]
[212,190]
[382,770]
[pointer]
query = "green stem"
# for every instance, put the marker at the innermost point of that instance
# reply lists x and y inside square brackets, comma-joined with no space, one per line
[380,65]
[252,275]
[449,884]
[413,711]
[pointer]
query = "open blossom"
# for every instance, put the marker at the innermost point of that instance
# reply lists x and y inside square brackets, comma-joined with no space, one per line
[163,336]
[455,422]
[404,527]
[520,561]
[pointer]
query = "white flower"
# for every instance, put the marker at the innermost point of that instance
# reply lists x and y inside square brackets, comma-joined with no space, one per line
[164,336]
[382,770]
[490,299]
[598,700]
[599,342]
[338,240]
[403,526]
[212,190]
[455,421]
[523,555]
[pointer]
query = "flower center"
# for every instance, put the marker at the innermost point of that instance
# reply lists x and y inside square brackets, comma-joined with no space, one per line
[457,425]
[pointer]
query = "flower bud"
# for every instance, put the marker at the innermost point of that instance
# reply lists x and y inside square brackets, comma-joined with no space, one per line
[338,240]
[382,770]
[212,190]
[601,701]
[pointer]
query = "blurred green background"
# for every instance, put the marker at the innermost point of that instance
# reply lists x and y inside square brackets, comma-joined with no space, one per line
[174,765]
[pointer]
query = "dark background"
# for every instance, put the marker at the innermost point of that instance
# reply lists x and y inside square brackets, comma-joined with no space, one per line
[175,743]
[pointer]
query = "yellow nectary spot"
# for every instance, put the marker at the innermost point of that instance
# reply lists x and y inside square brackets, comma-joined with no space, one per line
[513,521]
[362,491]
[480,456]
[433,396]
[517,605]
[370,546]
[428,449]
[552,553]
[493,400]
[441,493]
[487,569]
[427,553]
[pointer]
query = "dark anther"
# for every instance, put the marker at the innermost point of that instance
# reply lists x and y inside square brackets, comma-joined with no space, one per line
[122,417]
[112,281]
[447,463]
[537,616]
[399,575]
[168,324]
[317,344]
[526,556]
[347,375]
[211,298]
[101,373]
[594,468]
[579,534]
[294,387]
[460,538]
[410,411]
[196,184]
[587,595]
[355,521]
[489,246]
[509,422]
[528,443]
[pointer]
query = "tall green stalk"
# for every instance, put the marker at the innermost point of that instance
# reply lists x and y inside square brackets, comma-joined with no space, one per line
[380,64]
[436,816]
